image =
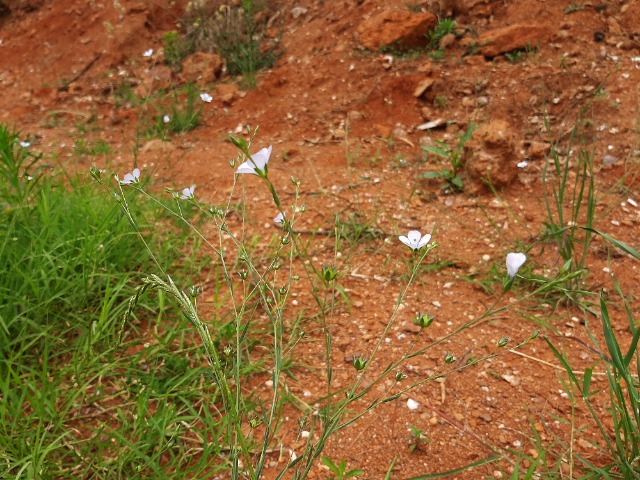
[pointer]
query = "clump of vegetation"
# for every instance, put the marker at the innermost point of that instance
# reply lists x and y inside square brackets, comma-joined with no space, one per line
[237,32]
[175,49]
[184,112]
[452,181]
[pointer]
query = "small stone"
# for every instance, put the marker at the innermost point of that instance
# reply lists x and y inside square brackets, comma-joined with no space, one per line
[298,12]
[485,417]
[427,113]
[411,328]
[439,122]
[538,150]
[423,86]
[447,41]
[412,404]
[468,102]
[511,379]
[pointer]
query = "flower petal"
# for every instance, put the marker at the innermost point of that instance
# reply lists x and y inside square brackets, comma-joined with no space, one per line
[187,193]
[247,167]
[514,262]
[424,240]
[405,240]
[261,158]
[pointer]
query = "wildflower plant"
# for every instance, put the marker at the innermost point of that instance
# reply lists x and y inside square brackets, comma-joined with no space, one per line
[259,297]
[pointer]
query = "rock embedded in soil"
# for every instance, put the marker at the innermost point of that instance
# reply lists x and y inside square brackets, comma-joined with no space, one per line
[202,68]
[490,155]
[513,37]
[399,29]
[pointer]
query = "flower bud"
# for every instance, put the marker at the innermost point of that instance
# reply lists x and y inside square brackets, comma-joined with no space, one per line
[195,291]
[503,342]
[254,422]
[95,172]
[423,320]
[449,358]
[359,363]
[329,274]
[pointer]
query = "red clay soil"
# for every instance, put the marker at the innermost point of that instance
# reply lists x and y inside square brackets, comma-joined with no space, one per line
[344,120]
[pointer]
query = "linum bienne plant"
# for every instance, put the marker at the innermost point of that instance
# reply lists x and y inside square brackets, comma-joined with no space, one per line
[258,294]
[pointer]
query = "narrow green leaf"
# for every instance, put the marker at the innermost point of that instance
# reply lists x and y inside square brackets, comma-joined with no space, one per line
[621,245]
[455,471]
[586,381]
[433,174]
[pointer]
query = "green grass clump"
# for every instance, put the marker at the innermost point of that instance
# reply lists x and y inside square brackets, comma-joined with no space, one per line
[234,32]
[175,49]
[184,113]
[73,406]
[451,178]
[570,203]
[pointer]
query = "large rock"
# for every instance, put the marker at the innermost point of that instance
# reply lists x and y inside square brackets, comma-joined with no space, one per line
[399,29]
[202,68]
[491,154]
[514,37]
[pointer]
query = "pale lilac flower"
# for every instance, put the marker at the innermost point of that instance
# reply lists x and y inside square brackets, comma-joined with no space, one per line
[205,97]
[514,262]
[131,178]
[25,144]
[148,53]
[187,193]
[166,119]
[279,220]
[412,404]
[257,163]
[414,240]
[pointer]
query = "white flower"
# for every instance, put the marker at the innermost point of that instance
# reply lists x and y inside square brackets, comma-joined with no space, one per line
[187,193]
[256,163]
[25,144]
[522,164]
[205,97]
[414,240]
[514,262]
[166,119]
[148,53]
[412,404]
[279,219]
[130,178]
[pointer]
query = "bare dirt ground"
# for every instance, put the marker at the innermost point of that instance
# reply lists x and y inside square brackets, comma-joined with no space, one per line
[343,119]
